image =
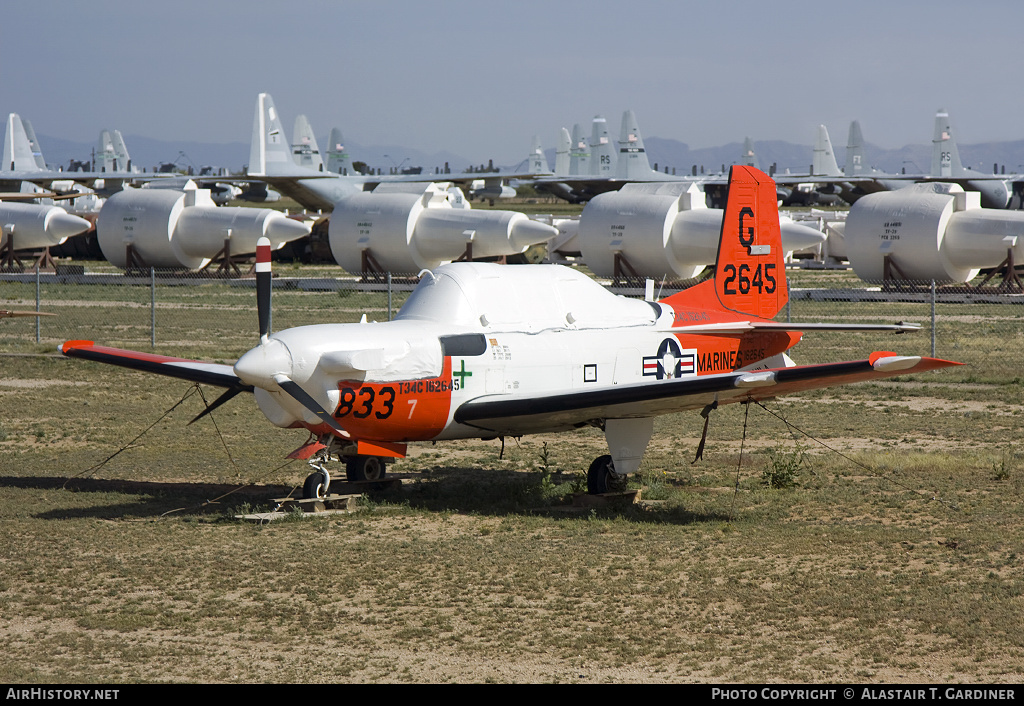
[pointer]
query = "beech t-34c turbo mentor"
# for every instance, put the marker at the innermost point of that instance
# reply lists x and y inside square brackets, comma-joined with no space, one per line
[484,350]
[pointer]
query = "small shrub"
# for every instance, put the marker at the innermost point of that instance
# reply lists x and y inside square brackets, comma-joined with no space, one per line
[1002,467]
[782,466]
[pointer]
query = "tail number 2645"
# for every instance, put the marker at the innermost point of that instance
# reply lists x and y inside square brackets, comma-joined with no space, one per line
[739,280]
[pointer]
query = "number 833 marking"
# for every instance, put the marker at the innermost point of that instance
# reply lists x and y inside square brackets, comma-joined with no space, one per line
[363,402]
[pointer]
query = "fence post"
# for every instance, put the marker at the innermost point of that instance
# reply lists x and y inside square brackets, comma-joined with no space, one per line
[152,307]
[38,325]
[389,296]
[933,318]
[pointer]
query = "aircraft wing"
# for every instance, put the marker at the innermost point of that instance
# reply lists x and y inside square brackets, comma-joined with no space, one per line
[511,414]
[216,374]
[454,177]
[48,177]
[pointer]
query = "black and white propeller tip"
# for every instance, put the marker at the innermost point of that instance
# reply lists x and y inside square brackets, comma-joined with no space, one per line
[264,281]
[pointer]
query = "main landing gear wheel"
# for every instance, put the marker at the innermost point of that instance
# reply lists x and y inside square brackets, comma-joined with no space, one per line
[315,486]
[602,478]
[365,468]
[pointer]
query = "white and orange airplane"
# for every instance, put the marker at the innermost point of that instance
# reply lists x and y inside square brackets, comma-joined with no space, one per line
[485,351]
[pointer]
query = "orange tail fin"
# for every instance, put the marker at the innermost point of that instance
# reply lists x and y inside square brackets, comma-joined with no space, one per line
[750,273]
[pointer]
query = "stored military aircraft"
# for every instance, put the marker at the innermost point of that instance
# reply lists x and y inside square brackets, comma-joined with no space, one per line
[584,169]
[997,190]
[271,162]
[22,158]
[825,177]
[485,351]
[112,155]
[593,167]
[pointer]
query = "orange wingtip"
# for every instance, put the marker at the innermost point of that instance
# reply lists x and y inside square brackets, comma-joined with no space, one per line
[68,345]
[879,354]
[925,363]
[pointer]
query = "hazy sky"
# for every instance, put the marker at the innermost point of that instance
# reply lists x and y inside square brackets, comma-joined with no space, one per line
[481,78]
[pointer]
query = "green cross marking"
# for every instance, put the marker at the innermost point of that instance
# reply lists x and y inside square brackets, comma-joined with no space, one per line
[462,374]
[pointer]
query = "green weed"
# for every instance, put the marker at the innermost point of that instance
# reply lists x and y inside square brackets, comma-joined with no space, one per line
[782,466]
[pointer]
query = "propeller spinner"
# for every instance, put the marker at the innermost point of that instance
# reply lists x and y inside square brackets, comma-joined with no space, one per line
[269,365]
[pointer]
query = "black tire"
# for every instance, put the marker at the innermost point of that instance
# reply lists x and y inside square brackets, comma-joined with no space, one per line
[314,485]
[360,468]
[599,474]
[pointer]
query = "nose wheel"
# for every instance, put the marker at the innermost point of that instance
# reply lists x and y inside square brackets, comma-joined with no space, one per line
[357,468]
[316,484]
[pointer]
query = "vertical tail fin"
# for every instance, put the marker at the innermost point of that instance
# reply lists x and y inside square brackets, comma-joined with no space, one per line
[633,160]
[337,157]
[602,154]
[106,161]
[945,156]
[17,148]
[562,153]
[536,163]
[579,153]
[305,150]
[269,154]
[750,272]
[37,151]
[824,160]
[124,160]
[748,158]
[855,163]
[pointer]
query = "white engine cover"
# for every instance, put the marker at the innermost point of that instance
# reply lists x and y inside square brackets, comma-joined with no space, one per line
[929,231]
[409,228]
[170,228]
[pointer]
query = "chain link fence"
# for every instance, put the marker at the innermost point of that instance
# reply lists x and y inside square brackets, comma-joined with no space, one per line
[193,315]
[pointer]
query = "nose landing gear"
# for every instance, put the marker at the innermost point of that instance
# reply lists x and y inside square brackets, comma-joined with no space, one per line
[358,468]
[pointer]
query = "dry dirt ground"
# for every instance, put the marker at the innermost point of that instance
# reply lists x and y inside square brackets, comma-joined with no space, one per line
[898,561]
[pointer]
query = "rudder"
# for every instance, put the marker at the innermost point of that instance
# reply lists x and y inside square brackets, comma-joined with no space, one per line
[17,148]
[750,273]
[269,154]
[945,155]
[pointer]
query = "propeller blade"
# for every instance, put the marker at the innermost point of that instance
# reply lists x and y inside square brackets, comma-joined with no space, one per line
[300,395]
[264,283]
[227,395]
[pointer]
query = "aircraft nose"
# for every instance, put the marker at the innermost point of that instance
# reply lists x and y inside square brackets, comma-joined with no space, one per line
[258,366]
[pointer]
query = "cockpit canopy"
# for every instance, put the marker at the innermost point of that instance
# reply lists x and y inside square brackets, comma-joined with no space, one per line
[490,297]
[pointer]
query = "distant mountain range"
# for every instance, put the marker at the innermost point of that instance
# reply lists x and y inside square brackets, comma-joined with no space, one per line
[148,153]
